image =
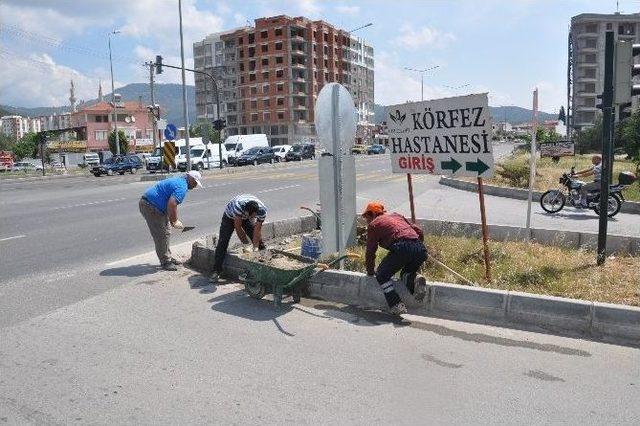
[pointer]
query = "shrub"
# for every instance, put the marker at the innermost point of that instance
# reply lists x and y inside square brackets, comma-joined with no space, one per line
[516,173]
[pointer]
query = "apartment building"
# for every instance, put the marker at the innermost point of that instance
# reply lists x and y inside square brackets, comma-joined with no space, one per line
[17,126]
[586,60]
[269,75]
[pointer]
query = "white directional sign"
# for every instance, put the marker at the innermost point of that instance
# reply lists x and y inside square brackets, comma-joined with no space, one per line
[450,136]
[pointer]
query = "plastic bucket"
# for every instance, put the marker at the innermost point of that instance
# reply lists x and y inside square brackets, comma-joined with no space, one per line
[311,246]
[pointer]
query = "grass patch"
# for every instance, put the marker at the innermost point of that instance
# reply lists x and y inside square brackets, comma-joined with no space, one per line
[532,268]
[516,172]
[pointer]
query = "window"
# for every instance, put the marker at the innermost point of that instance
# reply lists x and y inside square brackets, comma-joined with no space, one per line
[265,102]
[242,93]
[265,89]
[265,75]
[254,117]
[280,101]
[279,59]
[241,53]
[266,116]
[252,77]
[281,116]
[240,40]
[242,79]
[264,48]
[101,135]
[264,34]
[138,134]
[326,37]
[280,87]
[252,38]
[278,32]
[279,73]
[326,76]
[609,27]
[254,90]
[254,104]
[241,66]
[252,52]
[265,62]
[279,45]
[326,63]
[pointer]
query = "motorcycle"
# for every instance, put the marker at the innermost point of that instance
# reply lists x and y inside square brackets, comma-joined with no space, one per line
[554,200]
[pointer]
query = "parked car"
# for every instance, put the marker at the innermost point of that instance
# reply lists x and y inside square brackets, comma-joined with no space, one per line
[25,166]
[118,164]
[90,159]
[281,151]
[256,155]
[376,149]
[359,149]
[299,152]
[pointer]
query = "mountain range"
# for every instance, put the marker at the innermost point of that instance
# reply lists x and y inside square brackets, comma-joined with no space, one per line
[169,96]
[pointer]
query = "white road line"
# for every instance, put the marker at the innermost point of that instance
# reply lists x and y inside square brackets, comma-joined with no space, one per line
[15,237]
[277,189]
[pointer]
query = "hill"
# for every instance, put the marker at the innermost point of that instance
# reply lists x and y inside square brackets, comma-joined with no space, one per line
[512,114]
[169,96]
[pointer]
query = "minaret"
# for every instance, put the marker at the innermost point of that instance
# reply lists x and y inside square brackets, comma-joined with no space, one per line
[72,97]
[100,97]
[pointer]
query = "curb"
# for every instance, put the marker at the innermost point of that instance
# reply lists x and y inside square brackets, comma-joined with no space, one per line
[40,178]
[630,207]
[611,323]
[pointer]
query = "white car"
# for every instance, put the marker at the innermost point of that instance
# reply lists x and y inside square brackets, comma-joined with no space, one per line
[280,151]
[25,166]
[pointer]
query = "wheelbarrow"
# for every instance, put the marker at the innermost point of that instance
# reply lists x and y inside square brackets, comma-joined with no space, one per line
[261,279]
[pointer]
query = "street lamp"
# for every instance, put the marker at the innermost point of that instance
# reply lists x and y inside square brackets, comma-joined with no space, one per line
[359,28]
[456,88]
[113,99]
[422,71]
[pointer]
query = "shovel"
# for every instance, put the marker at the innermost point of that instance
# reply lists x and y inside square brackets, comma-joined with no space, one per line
[188,228]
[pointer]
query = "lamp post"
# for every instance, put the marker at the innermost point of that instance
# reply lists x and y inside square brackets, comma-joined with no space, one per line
[422,71]
[184,93]
[359,28]
[456,88]
[113,100]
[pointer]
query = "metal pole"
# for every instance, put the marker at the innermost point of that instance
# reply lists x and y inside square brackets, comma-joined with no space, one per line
[215,88]
[485,232]
[113,100]
[337,170]
[184,92]
[154,123]
[532,162]
[411,202]
[607,108]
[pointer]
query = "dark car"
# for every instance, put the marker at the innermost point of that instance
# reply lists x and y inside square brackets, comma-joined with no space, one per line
[118,164]
[299,152]
[256,155]
[376,149]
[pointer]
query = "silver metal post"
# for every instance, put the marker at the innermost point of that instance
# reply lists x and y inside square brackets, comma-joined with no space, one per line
[113,99]
[184,92]
[154,123]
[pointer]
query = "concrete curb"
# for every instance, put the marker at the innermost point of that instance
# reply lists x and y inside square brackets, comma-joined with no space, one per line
[224,171]
[18,179]
[630,207]
[618,324]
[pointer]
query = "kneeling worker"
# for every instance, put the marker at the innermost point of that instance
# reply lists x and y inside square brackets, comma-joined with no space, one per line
[240,214]
[159,207]
[407,253]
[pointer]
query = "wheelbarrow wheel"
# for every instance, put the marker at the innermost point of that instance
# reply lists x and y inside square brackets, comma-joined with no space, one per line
[296,294]
[255,290]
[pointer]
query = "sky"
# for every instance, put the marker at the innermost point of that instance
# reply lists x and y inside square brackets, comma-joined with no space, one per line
[503,47]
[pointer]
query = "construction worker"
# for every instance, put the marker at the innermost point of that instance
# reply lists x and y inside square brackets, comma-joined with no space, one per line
[407,253]
[159,207]
[596,172]
[245,215]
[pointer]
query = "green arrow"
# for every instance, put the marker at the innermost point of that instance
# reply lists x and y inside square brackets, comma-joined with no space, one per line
[477,166]
[452,165]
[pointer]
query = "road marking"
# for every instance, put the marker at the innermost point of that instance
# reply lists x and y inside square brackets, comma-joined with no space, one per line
[89,204]
[15,237]
[277,189]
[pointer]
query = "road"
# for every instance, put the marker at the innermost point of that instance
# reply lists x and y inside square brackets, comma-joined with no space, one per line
[93,332]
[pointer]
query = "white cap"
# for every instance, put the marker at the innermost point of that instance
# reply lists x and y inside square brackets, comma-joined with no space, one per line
[197,177]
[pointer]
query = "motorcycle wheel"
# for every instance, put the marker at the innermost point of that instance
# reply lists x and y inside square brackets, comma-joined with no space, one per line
[552,201]
[613,206]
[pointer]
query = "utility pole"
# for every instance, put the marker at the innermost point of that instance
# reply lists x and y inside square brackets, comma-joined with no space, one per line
[154,123]
[607,142]
[113,99]
[185,108]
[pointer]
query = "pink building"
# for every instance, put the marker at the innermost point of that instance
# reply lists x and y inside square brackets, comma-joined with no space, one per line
[96,122]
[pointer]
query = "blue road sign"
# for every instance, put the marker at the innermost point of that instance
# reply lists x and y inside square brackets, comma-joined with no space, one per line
[170,132]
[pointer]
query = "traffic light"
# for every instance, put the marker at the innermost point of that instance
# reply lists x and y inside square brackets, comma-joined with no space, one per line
[625,71]
[158,64]
[219,124]
[599,104]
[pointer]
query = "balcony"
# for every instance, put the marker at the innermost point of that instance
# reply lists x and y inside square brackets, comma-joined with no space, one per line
[299,94]
[583,79]
[586,94]
[299,79]
[300,107]
[298,52]
[587,64]
[587,34]
[298,65]
[297,37]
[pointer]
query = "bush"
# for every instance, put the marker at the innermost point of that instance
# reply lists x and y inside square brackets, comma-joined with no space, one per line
[516,173]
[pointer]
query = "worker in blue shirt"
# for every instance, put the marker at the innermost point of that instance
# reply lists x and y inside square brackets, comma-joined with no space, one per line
[159,207]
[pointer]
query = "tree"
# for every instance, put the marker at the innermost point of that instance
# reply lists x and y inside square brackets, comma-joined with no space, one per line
[628,136]
[589,139]
[26,147]
[124,142]
[205,130]
[562,116]
[6,142]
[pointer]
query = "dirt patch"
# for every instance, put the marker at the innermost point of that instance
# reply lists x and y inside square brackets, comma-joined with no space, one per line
[277,260]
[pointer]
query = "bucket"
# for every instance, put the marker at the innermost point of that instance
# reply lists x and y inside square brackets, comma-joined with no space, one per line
[311,246]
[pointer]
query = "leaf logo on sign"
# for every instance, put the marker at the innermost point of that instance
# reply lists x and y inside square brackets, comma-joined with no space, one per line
[398,118]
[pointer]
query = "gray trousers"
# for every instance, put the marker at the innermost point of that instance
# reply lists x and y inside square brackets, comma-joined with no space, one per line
[591,186]
[158,223]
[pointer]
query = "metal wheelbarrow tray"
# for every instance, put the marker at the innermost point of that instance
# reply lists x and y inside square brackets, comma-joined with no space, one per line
[262,279]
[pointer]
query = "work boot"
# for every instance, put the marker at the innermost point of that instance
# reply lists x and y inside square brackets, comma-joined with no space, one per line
[398,309]
[420,288]
[169,266]
[175,261]
[214,278]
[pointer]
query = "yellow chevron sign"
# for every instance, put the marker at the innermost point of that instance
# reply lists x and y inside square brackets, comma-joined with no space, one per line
[169,154]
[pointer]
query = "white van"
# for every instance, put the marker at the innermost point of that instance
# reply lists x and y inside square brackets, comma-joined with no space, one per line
[153,162]
[280,151]
[236,145]
[90,159]
[202,157]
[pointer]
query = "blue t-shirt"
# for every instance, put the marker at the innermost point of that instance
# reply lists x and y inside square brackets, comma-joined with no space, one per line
[159,194]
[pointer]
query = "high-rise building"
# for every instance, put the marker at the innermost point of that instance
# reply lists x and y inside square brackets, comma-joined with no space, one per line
[269,75]
[585,73]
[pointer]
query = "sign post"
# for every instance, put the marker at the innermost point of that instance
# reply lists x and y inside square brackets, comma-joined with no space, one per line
[450,136]
[169,148]
[532,161]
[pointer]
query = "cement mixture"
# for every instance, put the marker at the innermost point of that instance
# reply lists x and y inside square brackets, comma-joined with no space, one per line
[276,260]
